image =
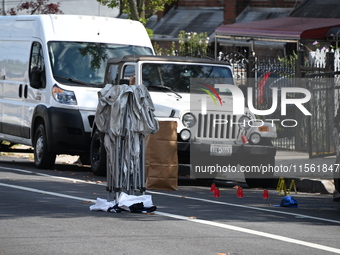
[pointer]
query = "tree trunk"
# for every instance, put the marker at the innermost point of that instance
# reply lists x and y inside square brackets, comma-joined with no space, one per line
[133,10]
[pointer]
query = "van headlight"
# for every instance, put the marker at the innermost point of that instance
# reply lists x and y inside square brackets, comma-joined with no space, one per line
[64,96]
[243,122]
[188,120]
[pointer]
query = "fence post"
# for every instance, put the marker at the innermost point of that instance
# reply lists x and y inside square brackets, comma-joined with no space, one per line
[330,62]
[330,97]
[300,62]
[299,74]
[251,73]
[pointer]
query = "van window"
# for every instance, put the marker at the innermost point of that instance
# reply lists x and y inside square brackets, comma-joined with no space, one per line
[79,63]
[37,73]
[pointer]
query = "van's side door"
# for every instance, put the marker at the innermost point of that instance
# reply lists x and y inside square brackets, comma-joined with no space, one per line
[33,90]
[16,77]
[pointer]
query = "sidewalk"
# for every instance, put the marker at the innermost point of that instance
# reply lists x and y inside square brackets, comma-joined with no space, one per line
[310,175]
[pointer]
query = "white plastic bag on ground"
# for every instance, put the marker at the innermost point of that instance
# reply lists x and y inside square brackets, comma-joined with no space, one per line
[102,205]
[125,200]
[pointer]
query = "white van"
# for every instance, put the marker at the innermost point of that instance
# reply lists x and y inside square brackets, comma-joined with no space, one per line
[51,68]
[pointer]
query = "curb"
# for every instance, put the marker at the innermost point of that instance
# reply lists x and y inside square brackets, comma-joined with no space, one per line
[315,186]
[319,186]
[319,182]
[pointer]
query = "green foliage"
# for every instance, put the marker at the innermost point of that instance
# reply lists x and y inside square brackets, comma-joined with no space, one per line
[109,3]
[164,52]
[149,31]
[138,9]
[193,44]
[291,59]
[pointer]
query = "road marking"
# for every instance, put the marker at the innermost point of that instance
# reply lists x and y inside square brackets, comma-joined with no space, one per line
[53,176]
[205,222]
[248,207]
[252,232]
[191,198]
[46,192]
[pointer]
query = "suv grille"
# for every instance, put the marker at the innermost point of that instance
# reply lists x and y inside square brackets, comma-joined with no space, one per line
[222,128]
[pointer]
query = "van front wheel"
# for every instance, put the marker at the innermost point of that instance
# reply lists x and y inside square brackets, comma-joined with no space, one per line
[43,158]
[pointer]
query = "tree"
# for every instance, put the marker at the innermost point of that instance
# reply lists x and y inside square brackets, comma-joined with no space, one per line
[36,7]
[140,10]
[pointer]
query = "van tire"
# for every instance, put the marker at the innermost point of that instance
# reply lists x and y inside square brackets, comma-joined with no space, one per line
[43,158]
[98,154]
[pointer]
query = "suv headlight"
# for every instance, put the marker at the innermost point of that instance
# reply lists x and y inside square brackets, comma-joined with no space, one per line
[63,96]
[243,122]
[255,138]
[185,134]
[188,120]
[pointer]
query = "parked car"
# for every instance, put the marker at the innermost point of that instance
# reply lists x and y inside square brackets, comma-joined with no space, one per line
[178,87]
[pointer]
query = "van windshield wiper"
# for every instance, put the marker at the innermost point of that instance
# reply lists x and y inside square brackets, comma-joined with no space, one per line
[71,79]
[165,87]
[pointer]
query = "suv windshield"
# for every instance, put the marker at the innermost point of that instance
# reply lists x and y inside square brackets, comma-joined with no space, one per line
[184,77]
[79,63]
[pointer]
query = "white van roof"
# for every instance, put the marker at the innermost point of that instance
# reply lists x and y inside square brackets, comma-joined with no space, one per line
[76,28]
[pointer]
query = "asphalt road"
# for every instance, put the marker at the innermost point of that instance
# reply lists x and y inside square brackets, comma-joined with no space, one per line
[47,212]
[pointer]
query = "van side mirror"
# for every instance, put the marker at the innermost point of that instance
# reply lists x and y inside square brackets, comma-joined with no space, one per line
[36,78]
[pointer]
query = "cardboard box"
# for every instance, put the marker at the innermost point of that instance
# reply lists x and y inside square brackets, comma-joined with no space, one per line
[161,161]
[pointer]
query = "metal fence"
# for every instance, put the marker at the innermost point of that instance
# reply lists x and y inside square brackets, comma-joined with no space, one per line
[318,71]
[263,73]
[323,108]
[320,76]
